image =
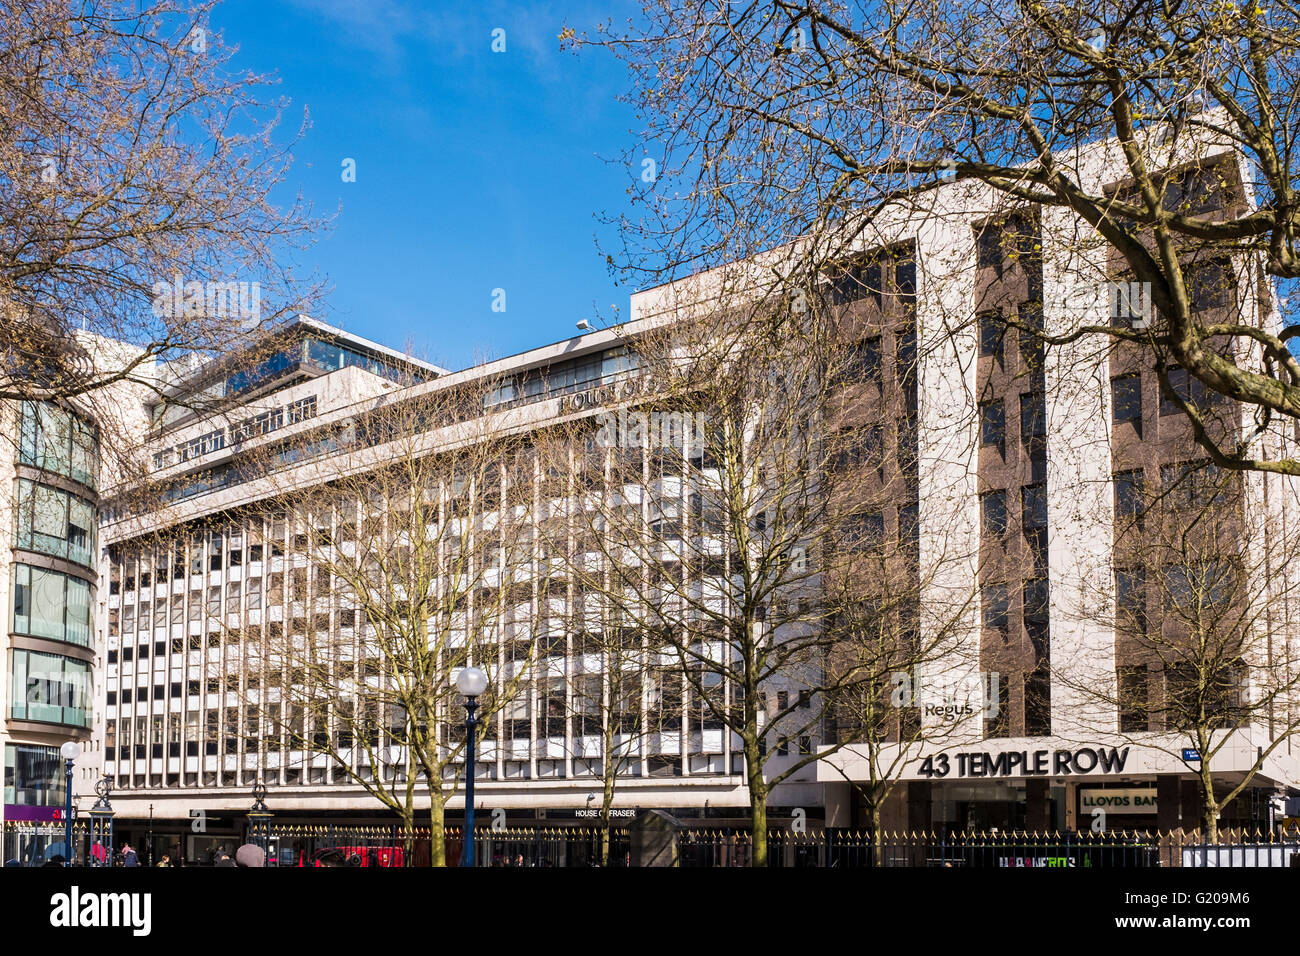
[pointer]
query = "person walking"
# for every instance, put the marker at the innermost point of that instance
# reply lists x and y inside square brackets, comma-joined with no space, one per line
[250,855]
[166,860]
[129,857]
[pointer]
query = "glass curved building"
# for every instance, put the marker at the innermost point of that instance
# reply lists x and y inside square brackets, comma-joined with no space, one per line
[49,575]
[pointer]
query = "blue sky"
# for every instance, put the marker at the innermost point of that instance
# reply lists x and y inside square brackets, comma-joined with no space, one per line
[475,170]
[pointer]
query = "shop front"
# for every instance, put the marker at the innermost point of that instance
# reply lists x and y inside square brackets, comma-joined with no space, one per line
[35,796]
[1045,785]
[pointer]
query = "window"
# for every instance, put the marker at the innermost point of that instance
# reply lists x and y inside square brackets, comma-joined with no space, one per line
[50,604]
[905,363]
[1036,595]
[1126,398]
[1038,702]
[1131,600]
[853,281]
[909,524]
[1134,701]
[857,447]
[864,531]
[664,705]
[1192,191]
[203,445]
[1033,507]
[302,409]
[993,333]
[1033,416]
[1030,313]
[259,424]
[56,440]
[1195,590]
[1196,484]
[1191,391]
[988,247]
[34,776]
[50,688]
[905,276]
[993,513]
[862,360]
[56,523]
[992,423]
[1178,387]
[1129,489]
[516,715]
[1209,285]
[996,607]
[997,720]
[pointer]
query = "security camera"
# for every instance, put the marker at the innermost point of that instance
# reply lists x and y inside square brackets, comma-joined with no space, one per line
[583,325]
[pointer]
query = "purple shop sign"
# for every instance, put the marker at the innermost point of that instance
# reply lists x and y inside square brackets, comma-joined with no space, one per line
[26,814]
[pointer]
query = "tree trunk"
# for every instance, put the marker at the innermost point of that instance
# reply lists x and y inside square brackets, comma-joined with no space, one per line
[1209,807]
[607,796]
[437,829]
[757,800]
[873,832]
[758,826]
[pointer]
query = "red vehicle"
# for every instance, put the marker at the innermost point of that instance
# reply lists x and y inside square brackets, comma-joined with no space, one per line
[355,856]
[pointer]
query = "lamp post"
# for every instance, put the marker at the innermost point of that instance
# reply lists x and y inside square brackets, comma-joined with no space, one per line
[471,682]
[70,751]
[259,818]
[101,825]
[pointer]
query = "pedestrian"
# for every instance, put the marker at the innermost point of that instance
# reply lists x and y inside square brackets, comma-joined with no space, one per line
[166,860]
[128,856]
[250,854]
[223,859]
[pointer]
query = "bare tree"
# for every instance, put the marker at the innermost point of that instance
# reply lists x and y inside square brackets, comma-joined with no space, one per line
[136,215]
[725,518]
[401,553]
[1204,604]
[1166,132]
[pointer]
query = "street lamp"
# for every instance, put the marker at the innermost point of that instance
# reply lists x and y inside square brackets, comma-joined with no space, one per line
[259,818]
[71,751]
[471,682]
[101,825]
